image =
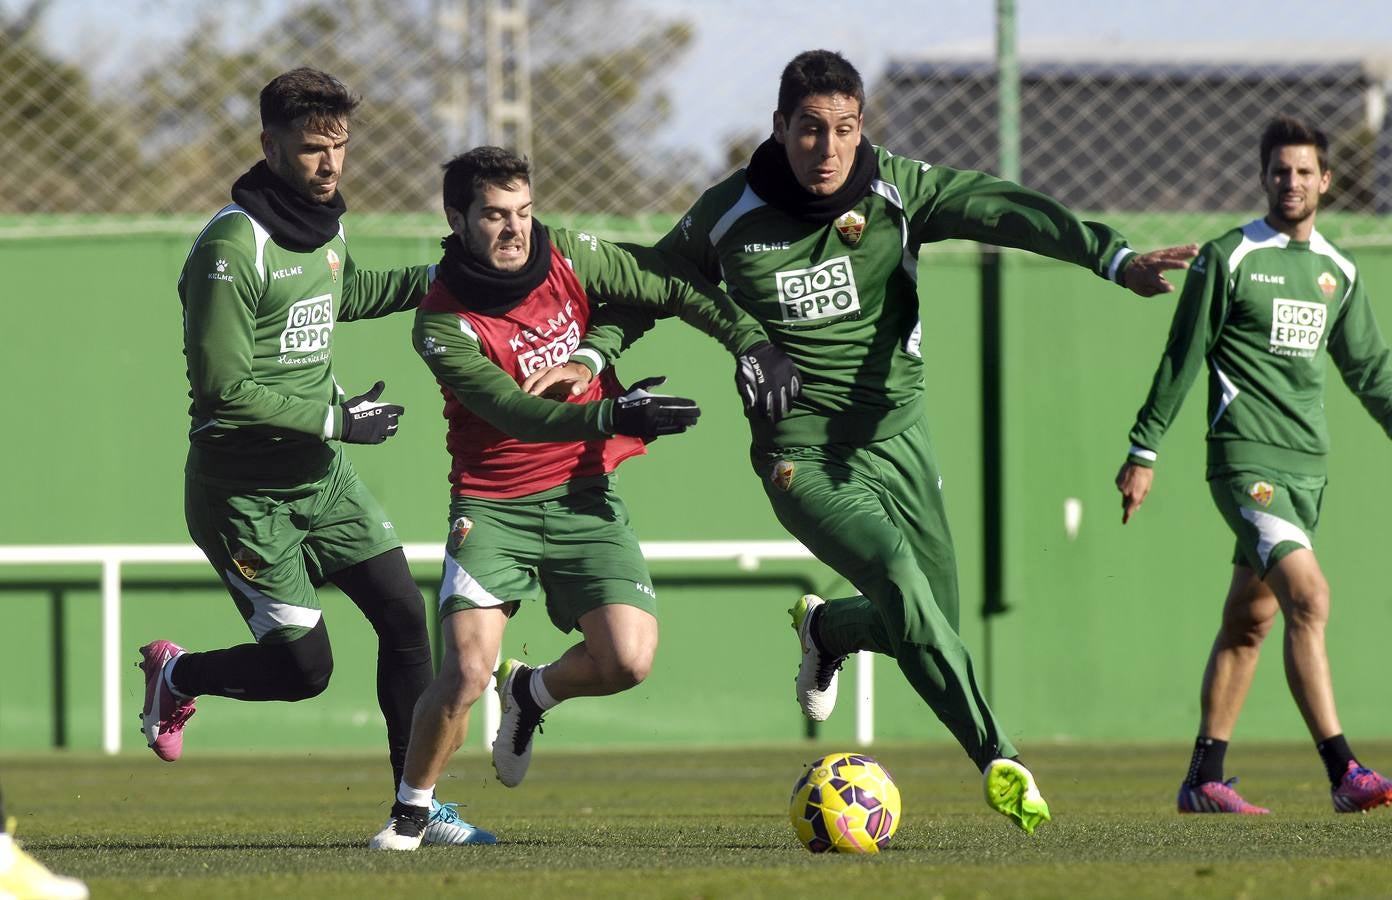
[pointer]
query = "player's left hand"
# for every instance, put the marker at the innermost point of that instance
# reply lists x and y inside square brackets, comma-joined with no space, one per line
[557,382]
[1145,273]
[642,414]
[767,380]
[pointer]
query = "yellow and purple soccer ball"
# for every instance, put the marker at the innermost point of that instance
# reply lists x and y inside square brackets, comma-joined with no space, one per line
[845,803]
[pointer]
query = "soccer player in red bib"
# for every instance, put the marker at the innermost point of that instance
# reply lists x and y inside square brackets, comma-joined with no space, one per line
[533,514]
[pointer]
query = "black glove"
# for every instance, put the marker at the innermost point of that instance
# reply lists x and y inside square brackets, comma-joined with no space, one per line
[649,416]
[365,421]
[767,380]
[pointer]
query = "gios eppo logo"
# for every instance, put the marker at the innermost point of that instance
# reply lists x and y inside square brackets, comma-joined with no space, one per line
[824,291]
[1297,326]
[308,325]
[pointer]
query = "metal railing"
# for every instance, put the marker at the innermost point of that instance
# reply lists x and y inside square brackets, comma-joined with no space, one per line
[748,556]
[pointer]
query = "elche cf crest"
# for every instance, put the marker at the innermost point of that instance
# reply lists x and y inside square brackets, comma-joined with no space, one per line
[248,563]
[1261,492]
[1327,283]
[459,531]
[850,226]
[334,263]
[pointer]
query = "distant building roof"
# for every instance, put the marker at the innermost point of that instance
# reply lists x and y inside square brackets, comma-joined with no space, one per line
[1106,130]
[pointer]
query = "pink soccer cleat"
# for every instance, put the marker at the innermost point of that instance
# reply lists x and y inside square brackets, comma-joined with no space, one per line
[1361,790]
[1216,797]
[163,717]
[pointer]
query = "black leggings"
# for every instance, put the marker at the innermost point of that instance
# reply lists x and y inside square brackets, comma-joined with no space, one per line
[382,587]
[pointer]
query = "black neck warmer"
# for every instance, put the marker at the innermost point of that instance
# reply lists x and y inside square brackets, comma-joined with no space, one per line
[487,290]
[772,179]
[294,221]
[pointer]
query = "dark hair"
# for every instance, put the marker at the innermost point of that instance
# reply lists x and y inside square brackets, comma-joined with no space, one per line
[818,72]
[324,99]
[1288,131]
[468,172]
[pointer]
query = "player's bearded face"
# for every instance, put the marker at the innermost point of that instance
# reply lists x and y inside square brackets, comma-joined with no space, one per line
[497,227]
[308,156]
[821,138]
[1294,183]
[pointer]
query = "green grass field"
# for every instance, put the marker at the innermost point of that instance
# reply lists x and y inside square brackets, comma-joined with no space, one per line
[704,823]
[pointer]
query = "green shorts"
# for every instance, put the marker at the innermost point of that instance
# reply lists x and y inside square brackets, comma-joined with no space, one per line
[1271,513]
[875,514]
[273,546]
[573,544]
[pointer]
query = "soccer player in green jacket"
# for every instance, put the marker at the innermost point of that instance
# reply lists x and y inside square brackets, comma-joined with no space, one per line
[818,239]
[1264,306]
[269,494]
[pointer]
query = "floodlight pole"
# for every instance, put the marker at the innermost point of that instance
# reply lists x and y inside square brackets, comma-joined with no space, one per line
[993,267]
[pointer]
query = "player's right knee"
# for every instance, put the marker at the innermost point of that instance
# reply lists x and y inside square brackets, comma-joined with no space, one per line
[466,681]
[306,663]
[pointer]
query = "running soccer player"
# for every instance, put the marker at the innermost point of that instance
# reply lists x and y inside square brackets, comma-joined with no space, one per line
[1264,306]
[818,239]
[533,512]
[269,495]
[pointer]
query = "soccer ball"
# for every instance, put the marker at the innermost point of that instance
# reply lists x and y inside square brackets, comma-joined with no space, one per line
[845,802]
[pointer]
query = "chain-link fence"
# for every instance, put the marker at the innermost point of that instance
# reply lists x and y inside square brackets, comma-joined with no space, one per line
[595,91]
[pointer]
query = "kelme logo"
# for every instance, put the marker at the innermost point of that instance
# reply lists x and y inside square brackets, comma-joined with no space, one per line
[1262,492]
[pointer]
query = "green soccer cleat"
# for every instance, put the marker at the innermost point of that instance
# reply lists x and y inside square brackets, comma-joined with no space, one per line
[1010,791]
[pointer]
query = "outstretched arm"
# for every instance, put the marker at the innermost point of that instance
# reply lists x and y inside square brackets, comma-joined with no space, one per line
[947,203]
[1144,273]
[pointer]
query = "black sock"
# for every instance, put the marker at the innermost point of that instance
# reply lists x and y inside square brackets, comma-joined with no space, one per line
[522,691]
[814,628]
[1207,762]
[1336,755]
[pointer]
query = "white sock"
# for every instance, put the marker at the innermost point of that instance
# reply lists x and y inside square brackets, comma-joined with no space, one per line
[414,796]
[6,850]
[168,674]
[540,694]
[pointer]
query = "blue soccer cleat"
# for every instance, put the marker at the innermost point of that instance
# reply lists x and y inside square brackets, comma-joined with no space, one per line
[444,827]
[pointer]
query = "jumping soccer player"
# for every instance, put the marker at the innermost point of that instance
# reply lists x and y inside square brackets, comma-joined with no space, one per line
[818,239]
[1264,306]
[269,495]
[541,519]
